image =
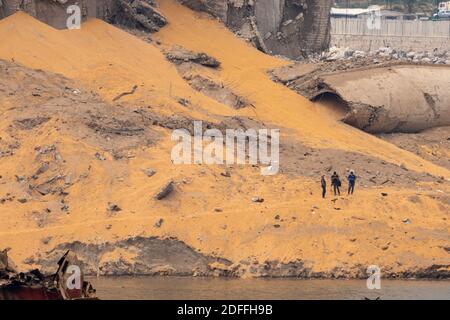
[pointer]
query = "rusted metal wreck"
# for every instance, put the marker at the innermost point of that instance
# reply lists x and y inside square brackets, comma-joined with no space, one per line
[33,285]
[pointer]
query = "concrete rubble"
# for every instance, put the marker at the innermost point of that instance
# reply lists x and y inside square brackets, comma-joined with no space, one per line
[189,65]
[383,54]
[180,55]
[165,190]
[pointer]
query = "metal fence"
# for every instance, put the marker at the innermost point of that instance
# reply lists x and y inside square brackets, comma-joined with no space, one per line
[391,28]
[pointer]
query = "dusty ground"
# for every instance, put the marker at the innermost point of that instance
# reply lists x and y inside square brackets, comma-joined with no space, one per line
[432,144]
[77,149]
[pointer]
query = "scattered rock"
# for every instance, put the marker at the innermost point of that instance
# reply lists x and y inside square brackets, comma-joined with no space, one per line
[68,180]
[180,55]
[99,156]
[65,208]
[31,123]
[384,194]
[149,172]
[8,197]
[257,199]
[165,191]
[29,260]
[159,223]
[46,240]
[113,208]
[42,169]
[184,102]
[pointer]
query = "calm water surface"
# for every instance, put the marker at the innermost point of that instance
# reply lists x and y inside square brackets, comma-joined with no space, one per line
[174,288]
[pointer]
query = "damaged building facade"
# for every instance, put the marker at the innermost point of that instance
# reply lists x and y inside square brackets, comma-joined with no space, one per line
[291,28]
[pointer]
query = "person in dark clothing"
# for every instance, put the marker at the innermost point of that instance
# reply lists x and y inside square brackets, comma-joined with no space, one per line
[351,182]
[324,186]
[336,183]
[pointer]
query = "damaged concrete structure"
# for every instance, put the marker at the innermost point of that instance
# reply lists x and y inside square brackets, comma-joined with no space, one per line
[282,27]
[384,99]
[395,99]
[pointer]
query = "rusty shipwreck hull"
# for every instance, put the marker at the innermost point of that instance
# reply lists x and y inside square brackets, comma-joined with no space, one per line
[24,292]
[34,285]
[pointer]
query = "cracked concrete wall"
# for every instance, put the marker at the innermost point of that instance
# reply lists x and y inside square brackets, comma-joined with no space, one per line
[316,31]
[287,27]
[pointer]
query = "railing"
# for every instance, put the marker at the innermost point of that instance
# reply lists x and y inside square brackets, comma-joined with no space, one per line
[391,28]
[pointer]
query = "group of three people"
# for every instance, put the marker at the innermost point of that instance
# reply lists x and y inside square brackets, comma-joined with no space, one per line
[336,183]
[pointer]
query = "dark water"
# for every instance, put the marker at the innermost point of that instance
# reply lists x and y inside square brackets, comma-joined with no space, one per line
[173,288]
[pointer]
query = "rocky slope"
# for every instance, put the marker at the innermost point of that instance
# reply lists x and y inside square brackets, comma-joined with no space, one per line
[85,127]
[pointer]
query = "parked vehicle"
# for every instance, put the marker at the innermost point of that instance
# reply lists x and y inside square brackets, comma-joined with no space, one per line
[442,15]
[444,6]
